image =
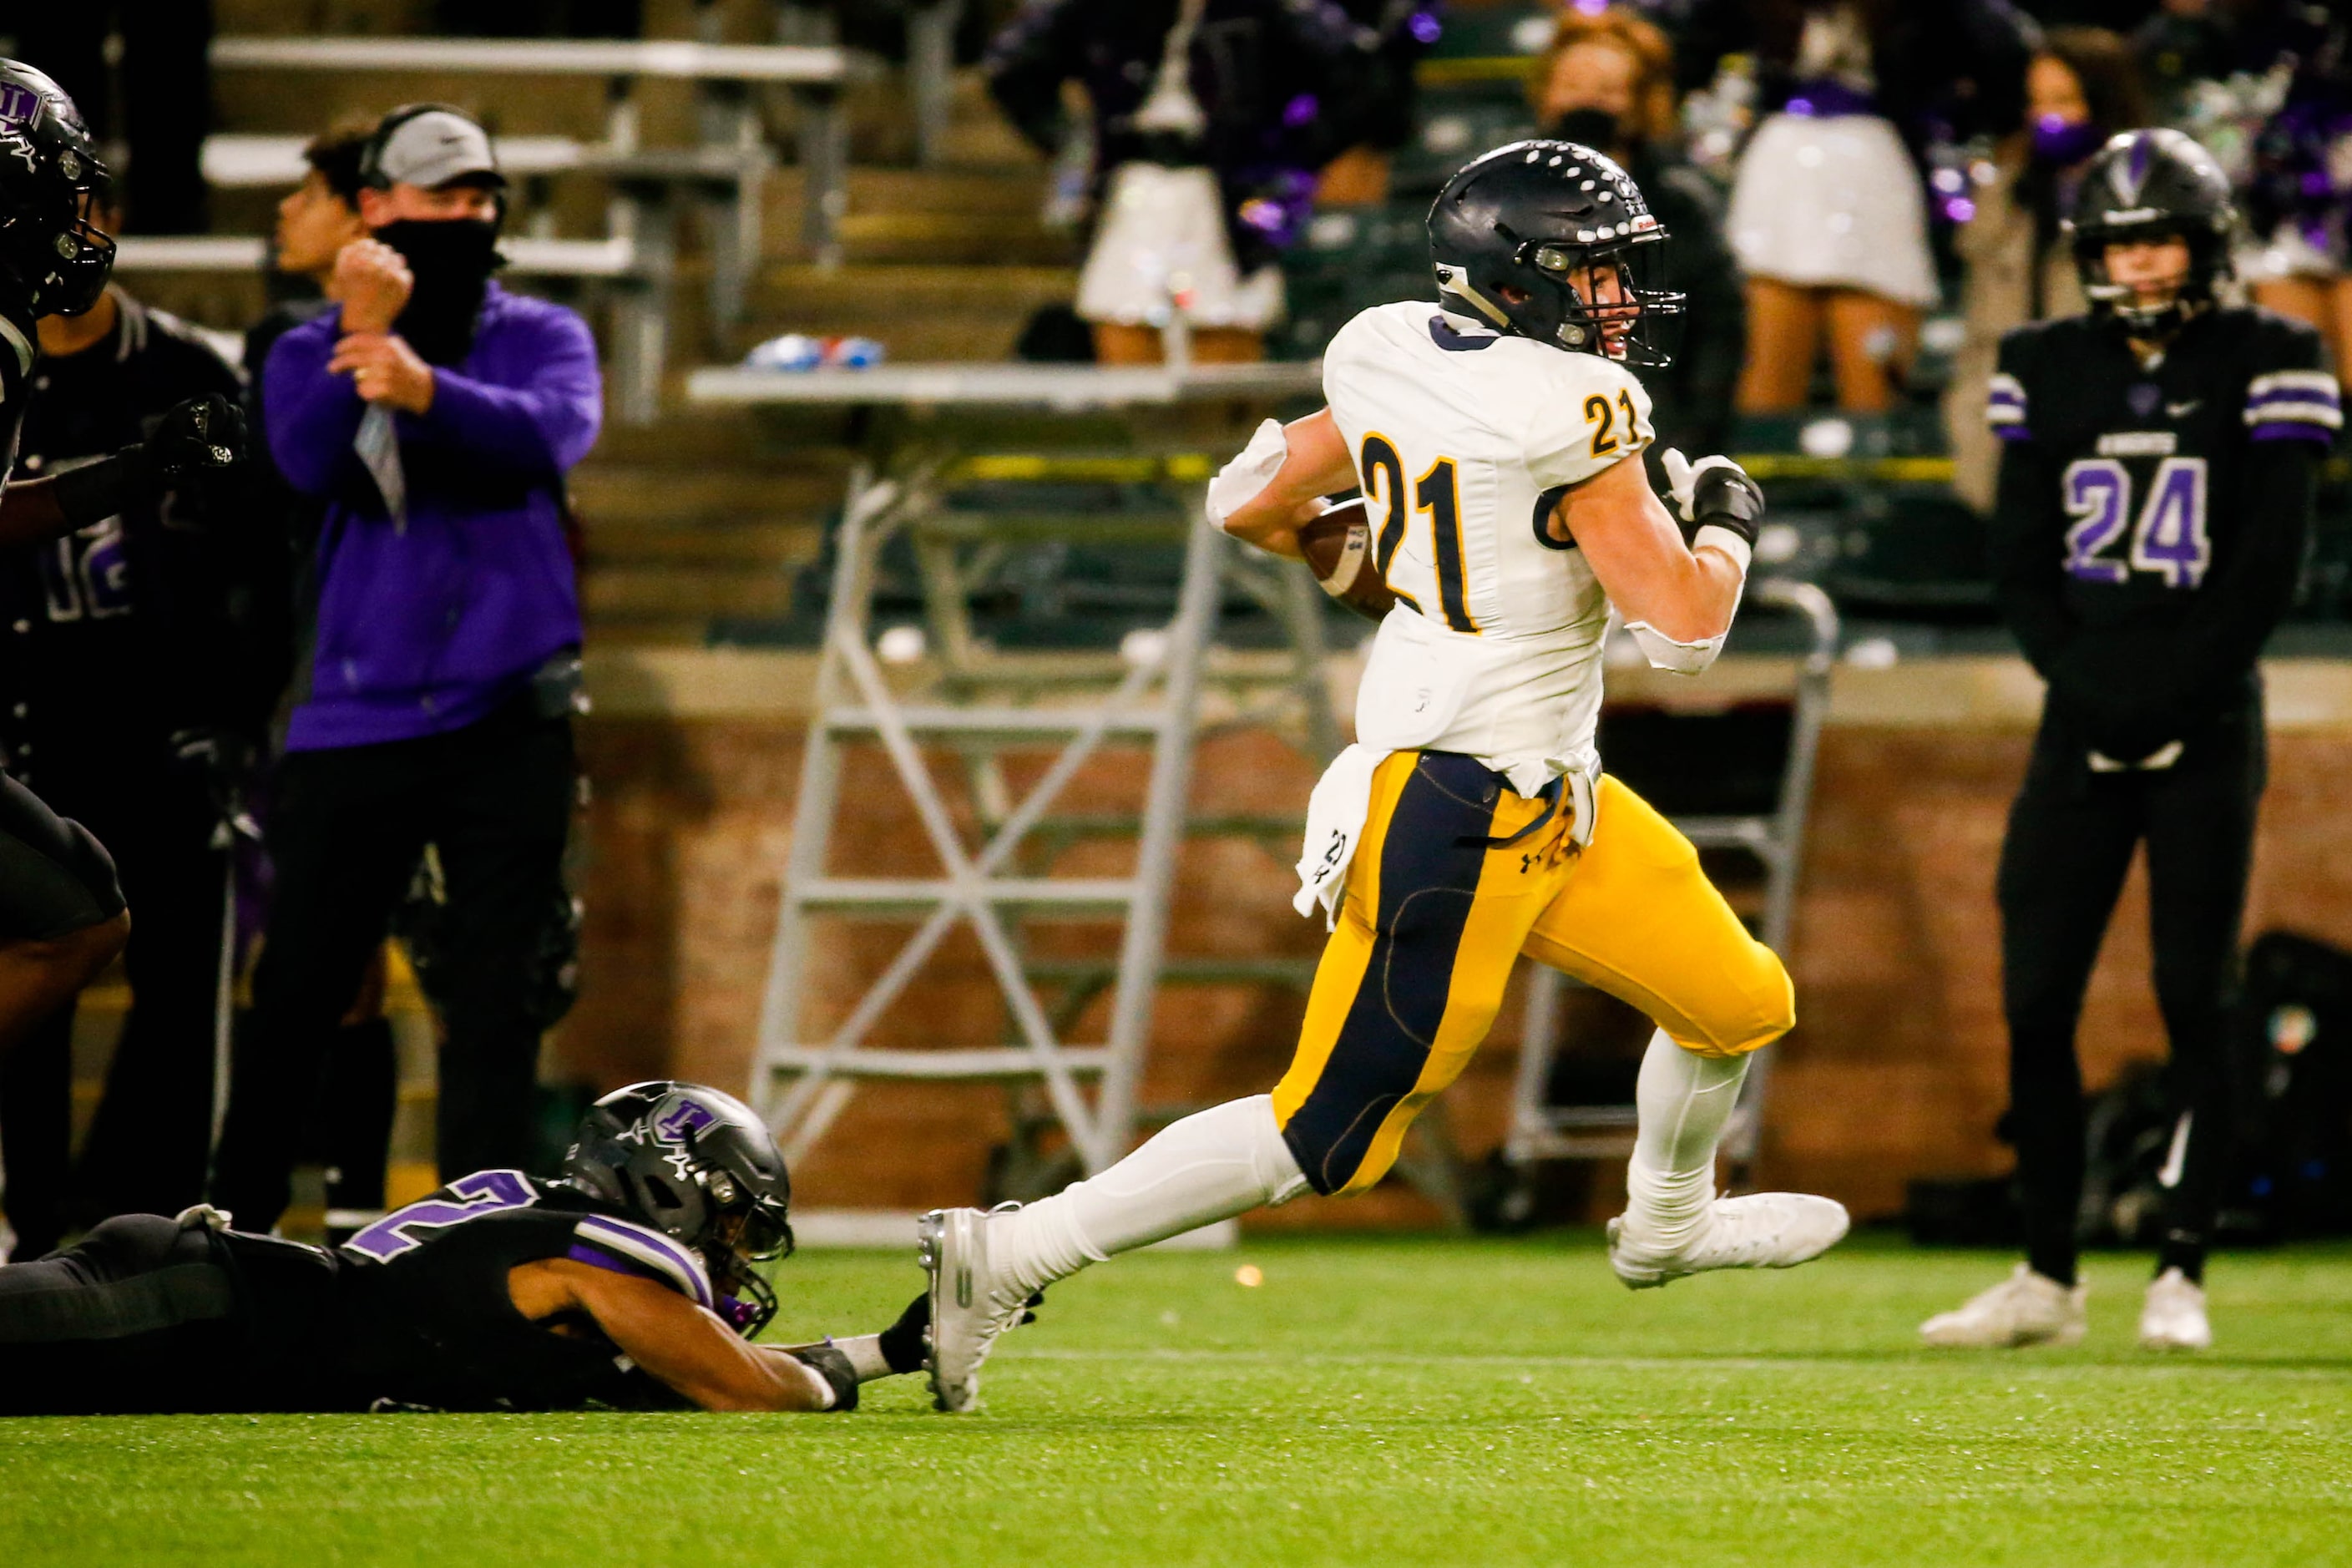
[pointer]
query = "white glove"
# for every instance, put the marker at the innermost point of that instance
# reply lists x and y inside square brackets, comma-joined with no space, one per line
[203,1215]
[1682,485]
[1682,476]
[1241,482]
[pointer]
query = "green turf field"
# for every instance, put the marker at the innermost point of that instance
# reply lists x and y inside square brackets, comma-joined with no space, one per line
[1371,1403]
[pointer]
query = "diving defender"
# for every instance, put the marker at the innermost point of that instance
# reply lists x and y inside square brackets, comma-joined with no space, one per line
[1499,437]
[2159,462]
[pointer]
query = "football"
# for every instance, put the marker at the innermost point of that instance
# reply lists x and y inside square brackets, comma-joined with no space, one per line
[1338,550]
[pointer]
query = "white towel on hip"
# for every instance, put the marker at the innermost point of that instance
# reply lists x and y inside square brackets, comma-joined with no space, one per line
[1335,821]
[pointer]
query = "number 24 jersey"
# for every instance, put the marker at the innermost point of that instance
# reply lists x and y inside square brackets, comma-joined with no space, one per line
[2146,458]
[1464,440]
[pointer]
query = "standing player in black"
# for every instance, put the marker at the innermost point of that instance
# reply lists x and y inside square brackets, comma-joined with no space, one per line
[631,1283]
[2159,461]
[61,912]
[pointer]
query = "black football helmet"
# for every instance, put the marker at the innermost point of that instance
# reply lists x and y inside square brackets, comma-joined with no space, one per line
[700,1167]
[1530,219]
[51,179]
[2153,185]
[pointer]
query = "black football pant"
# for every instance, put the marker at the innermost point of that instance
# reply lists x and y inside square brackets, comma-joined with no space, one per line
[2071,836]
[347,826]
[149,1143]
[145,1315]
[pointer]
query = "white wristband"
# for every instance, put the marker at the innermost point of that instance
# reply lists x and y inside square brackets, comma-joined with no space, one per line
[1725,540]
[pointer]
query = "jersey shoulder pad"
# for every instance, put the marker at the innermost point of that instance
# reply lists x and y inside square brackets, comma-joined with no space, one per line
[2290,395]
[1583,414]
[628,1248]
[2008,396]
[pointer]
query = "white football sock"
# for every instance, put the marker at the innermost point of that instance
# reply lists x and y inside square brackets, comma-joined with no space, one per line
[1684,1100]
[866,1357]
[1212,1165]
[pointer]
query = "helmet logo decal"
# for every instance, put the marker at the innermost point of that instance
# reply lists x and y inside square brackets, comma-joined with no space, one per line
[17,103]
[2128,174]
[684,1120]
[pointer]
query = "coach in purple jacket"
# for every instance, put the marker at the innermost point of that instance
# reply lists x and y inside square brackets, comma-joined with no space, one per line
[436,415]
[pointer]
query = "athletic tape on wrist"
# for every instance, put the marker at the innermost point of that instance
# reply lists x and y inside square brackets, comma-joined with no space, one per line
[1726,540]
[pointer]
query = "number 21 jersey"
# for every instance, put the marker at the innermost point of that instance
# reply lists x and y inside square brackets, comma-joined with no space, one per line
[1464,440]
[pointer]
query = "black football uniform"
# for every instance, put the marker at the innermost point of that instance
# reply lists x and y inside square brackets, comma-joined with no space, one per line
[54,877]
[2147,538]
[430,1321]
[145,1314]
[123,677]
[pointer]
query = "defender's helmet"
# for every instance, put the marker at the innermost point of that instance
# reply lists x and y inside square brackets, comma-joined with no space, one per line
[2153,185]
[700,1166]
[50,179]
[1531,218]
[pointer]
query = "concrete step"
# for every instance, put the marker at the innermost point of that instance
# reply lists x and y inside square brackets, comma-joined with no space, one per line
[682,593]
[743,546]
[917,312]
[609,488]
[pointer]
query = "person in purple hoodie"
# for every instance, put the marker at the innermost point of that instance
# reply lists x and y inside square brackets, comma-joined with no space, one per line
[435,416]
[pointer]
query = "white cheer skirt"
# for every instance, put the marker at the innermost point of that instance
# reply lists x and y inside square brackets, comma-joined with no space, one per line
[1162,235]
[1833,202]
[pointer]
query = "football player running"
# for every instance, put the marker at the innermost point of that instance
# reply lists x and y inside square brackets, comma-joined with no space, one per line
[2159,460]
[1498,439]
[631,1281]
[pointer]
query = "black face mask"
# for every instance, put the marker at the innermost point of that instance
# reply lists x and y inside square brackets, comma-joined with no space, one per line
[453,260]
[1595,128]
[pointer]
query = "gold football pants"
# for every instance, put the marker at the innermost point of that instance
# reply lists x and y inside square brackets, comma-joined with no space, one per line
[1438,907]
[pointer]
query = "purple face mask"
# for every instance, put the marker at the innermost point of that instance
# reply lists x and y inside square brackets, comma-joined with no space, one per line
[2062,143]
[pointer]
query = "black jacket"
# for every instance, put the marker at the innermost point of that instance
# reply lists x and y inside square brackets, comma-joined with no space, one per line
[1692,397]
[1953,66]
[165,620]
[1260,69]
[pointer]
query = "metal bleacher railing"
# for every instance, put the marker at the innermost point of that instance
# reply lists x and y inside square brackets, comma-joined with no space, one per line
[721,175]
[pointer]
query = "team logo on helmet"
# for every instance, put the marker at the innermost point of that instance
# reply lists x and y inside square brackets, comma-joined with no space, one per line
[682,1121]
[17,103]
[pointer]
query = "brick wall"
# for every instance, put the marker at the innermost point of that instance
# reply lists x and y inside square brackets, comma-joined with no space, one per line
[1896,1068]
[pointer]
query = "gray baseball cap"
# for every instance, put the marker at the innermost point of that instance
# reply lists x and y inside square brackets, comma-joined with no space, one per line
[434,147]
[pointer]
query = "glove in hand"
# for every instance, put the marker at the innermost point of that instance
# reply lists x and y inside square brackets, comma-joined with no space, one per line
[202,434]
[1714,492]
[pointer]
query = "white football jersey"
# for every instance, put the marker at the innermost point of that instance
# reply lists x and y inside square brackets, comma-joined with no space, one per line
[1463,440]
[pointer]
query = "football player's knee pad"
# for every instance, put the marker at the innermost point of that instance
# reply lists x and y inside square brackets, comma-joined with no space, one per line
[1761,1008]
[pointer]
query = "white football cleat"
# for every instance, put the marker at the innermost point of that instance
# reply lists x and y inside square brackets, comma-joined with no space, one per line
[2026,1309]
[2172,1317]
[968,1309]
[1762,1230]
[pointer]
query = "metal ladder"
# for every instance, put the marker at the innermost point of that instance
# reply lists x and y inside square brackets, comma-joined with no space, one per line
[1776,840]
[984,707]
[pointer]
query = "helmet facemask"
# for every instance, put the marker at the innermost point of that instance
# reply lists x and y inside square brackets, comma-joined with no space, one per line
[2193,288]
[1614,299]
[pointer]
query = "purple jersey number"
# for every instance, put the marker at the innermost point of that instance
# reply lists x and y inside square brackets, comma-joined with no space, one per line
[2098,491]
[2170,538]
[472,1197]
